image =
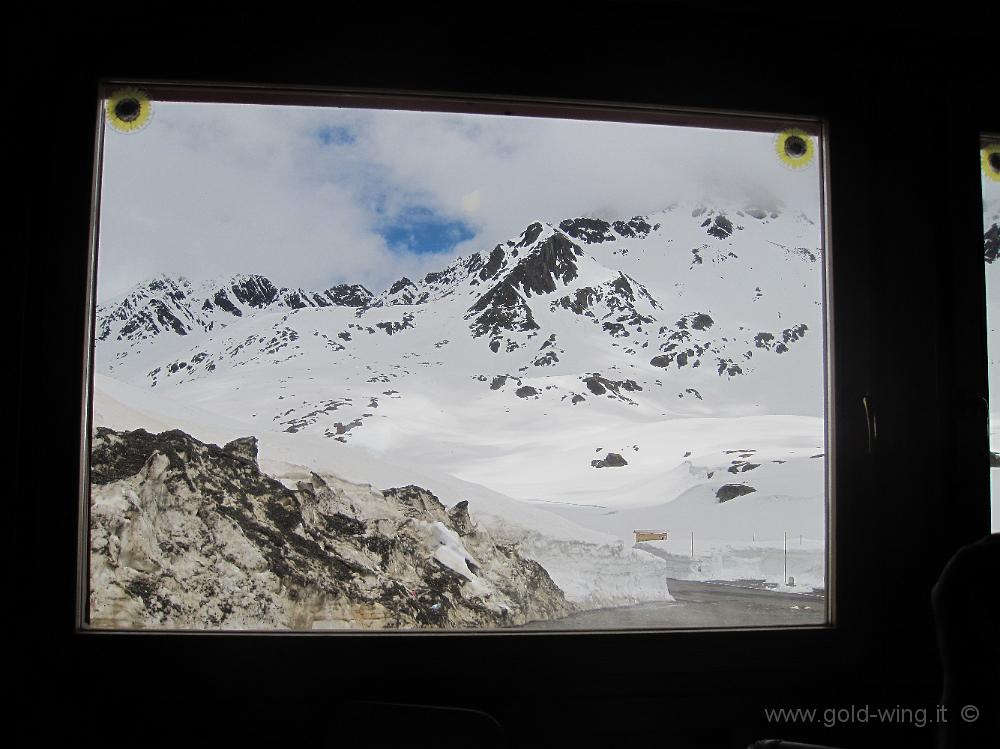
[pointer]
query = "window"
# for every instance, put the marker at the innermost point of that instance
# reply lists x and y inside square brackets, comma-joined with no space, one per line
[903,504]
[388,368]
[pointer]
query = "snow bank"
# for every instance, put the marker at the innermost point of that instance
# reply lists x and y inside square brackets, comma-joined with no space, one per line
[594,569]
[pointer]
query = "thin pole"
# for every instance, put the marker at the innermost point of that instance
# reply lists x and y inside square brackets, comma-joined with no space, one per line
[784,569]
[692,544]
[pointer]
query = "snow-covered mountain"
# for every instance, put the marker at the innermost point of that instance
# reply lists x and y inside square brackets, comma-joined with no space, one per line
[173,304]
[687,342]
[628,310]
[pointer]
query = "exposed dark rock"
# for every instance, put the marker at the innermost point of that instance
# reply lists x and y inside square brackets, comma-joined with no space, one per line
[590,230]
[460,518]
[493,264]
[721,228]
[581,300]
[727,492]
[254,291]
[621,285]
[600,385]
[297,300]
[243,447]
[394,327]
[340,428]
[763,340]
[727,367]
[696,321]
[529,235]
[400,285]
[595,385]
[474,262]
[223,302]
[299,422]
[611,460]
[616,330]
[349,295]
[537,272]
[635,227]
[546,360]
[991,243]
[526,391]
[794,333]
[501,309]
[417,502]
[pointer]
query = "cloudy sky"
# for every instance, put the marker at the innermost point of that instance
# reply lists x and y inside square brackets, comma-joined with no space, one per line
[316,196]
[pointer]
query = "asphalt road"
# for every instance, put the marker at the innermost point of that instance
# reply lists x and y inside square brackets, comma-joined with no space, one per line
[702,605]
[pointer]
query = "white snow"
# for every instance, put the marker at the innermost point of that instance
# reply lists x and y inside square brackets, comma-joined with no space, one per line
[328,390]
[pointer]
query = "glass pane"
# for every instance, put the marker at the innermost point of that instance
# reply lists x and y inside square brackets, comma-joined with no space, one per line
[386,369]
[990,158]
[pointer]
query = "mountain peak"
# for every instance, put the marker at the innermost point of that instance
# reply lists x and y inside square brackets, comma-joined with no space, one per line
[400,285]
[254,290]
[598,231]
[551,260]
[349,295]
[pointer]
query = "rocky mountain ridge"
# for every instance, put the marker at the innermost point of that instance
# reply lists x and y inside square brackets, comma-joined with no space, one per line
[574,287]
[190,535]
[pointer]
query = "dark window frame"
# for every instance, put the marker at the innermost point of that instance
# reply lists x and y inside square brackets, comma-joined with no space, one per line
[920,278]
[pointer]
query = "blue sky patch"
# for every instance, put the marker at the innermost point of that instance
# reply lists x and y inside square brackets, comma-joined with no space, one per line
[335,135]
[420,230]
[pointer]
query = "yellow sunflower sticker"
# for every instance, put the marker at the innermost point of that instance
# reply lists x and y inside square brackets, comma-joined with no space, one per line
[128,110]
[795,148]
[991,161]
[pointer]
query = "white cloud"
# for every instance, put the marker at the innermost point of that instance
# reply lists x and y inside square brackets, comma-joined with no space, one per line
[472,201]
[211,190]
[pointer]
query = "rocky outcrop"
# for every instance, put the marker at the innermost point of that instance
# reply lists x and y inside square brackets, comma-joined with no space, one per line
[349,295]
[189,535]
[991,243]
[243,447]
[727,492]
[611,460]
[589,230]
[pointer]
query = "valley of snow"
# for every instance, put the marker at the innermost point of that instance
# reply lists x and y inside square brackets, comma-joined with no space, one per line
[688,343]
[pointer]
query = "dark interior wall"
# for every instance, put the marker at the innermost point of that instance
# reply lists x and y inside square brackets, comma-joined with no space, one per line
[904,99]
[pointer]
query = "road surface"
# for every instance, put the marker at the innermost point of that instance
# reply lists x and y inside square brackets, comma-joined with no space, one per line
[702,605]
